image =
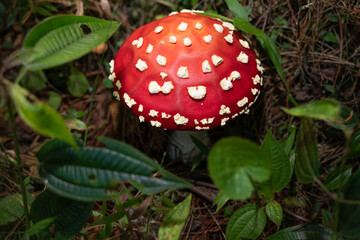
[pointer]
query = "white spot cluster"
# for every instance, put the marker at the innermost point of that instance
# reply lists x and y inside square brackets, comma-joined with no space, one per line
[180,120]
[218,28]
[206,68]
[173,13]
[229,38]
[164,115]
[155,88]
[129,101]
[138,42]
[141,119]
[197,93]
[256,79]
[243,57]
[112,76]
[202,128]
[118,84]
[228,25]
[242,102]
[163,75]
[234,75]
[172,39]
[207,120]
[224,110]
[158,29]
[244,43]
[208,39]
[226,84]
[153,113]
[141,65]
[155,123]
[161,60]
[149,48]
[111,63]
[187,42]
[216,60]
[259,67]
[141,108]
[198,26]
[254,91]
[224,120]
[116,95]
[182,27]
[183,72]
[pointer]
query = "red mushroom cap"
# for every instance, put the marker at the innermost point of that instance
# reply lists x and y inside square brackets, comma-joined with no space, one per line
[186,72]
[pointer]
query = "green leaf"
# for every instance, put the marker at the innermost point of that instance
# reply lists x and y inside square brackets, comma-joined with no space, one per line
[174,221]
[338,177]
[237,9]
[326,109]
[54,100]
[326,218]
[12,208]
[64,38]
[77,84]
[349,214]
[234,163]
[281,169]
[92,174]
[32,80]
[347,119]
[107,83]
[74,123]
[274,211]
[309,232]
[266,43]
[220,200]
[289,142]
[355,145]
[41,225]
[202,147]
[247,222]
[307,163]
[39,116]
[70,215]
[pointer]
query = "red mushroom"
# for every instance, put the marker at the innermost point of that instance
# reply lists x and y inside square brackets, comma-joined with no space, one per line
[186,72]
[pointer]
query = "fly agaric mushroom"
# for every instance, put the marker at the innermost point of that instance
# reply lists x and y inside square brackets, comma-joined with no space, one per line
[186,72]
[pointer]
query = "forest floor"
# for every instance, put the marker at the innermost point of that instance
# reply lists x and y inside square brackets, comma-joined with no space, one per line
[320,46]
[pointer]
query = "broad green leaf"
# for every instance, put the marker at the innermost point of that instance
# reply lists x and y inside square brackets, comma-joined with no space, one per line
[32,80]
[338,177]
[309,232]
[77,84]
[281,169]
[307,163]
[40,225]
[12,208]
[355,145]
[39,116]
[274,211]
[91,174]
[54,100]
[247,222]
[64,38]
[174,221]
[220,200]
[70,215]
[347,119]
[326,109]
[237,9]
[326,218]
[289,142]
[234,163]
[349,214]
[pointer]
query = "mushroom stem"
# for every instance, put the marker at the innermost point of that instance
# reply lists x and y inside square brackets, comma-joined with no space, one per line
[182,147]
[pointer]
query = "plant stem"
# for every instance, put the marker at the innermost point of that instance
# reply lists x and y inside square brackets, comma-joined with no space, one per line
[91,107]
[19,165]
